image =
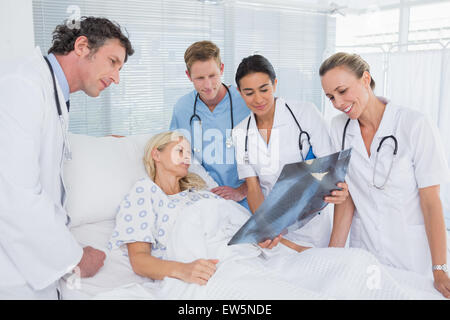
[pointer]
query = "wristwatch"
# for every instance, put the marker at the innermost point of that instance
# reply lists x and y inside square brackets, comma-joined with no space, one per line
[442,267]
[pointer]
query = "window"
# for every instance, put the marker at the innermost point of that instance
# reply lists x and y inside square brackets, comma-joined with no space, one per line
[153,78]
[160,31]
[429,23]
[368,31]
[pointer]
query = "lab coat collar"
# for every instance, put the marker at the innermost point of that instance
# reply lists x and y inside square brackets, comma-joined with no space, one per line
[388,122]
[60,76]
[46,70]
[387,125]
[281,114]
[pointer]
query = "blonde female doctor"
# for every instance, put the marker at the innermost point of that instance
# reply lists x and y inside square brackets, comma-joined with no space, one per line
[397,166]
[278,132]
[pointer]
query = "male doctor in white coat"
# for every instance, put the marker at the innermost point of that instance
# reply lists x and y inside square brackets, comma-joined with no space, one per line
[36,247]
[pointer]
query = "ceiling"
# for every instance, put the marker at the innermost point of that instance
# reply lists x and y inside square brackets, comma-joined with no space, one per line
[337,6]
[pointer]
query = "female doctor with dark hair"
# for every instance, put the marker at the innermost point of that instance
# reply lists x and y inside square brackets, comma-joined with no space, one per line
[270,137]
[397,166]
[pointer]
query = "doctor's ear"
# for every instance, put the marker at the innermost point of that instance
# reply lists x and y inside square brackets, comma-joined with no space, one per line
[81,46]
[275,82]
[188,75]
[366,77]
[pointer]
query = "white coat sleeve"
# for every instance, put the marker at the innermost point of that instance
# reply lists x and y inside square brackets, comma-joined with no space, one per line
[35,240]
[430,165]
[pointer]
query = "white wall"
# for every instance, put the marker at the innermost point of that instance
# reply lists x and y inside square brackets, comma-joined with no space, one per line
[16,27]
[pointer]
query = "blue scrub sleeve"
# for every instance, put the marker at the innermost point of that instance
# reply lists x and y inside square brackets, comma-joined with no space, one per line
[174,122]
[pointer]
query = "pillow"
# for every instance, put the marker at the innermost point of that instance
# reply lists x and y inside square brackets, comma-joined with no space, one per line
[102,171]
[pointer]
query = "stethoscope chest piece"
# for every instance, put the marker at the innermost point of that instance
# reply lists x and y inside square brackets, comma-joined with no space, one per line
[246,159]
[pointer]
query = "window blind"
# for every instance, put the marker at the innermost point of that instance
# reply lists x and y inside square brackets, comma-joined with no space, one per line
[160,31]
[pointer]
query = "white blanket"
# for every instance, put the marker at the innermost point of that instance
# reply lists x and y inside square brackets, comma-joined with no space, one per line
[247,272]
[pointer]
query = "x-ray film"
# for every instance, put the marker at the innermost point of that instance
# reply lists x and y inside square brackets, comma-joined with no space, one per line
[296,197]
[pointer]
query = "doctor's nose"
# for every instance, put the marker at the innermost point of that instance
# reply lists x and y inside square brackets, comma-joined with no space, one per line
[339,103]
[115,77]
[257,97]
[208,83]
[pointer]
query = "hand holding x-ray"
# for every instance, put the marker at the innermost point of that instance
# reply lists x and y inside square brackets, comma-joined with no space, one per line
[296,198]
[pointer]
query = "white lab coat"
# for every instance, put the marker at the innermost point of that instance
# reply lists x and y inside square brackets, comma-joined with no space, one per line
[36,247]
[389,223]
[267,160]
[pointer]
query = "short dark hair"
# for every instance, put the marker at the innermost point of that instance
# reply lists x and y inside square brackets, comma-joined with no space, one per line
[253,64]
[96,30]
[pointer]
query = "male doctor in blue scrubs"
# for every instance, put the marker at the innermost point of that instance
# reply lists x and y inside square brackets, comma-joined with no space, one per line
[207,115]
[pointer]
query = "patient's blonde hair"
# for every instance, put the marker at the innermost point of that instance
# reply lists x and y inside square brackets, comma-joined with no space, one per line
[160,142]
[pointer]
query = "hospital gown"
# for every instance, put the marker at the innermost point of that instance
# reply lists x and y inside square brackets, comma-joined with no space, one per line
[147,214]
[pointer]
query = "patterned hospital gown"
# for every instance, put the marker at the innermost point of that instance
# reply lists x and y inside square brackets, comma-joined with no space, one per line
[147,214]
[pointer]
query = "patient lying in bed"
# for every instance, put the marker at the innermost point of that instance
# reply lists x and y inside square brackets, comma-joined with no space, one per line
[175,231]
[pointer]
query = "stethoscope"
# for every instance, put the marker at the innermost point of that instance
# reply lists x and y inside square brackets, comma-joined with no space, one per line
[229,140]
[381,187]
[66,148]
[310,154]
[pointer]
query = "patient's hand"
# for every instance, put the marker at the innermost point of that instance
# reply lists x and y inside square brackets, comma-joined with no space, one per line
[91,262]
[198,271]
[338,196]
[269,244]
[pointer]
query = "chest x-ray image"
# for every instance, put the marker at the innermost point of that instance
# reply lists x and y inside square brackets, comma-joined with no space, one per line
[296,198]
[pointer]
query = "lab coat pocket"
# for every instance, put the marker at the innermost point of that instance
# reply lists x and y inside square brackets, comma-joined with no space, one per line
[401,180]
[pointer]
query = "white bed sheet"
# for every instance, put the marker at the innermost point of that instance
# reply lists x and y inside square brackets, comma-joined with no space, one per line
[115,273]
[314,274]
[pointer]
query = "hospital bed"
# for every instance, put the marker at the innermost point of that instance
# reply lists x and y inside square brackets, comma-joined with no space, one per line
[102,171]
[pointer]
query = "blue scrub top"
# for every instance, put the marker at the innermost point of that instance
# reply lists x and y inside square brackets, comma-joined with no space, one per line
[218,160]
